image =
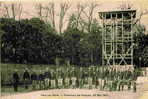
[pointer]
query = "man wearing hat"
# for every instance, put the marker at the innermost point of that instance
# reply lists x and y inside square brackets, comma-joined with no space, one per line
[60,78]
[53,79]
[41,80]
[15,80]
[73,78]
[67,78]
[79,77]
[26,78]
[47,79]
[34,79]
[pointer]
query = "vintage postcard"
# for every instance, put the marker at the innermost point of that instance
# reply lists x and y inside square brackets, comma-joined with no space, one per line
[74,49]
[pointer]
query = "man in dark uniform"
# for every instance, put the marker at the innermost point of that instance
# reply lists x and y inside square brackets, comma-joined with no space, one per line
[66,79]
[73,78]
[91,77]
[84,77]
[41,80]
[59,78]
[34,80]
[53,79]
[26,78]
[128,78]
[47,79]
[15,80]
[79,77]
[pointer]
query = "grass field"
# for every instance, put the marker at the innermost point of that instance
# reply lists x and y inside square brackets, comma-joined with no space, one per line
[8,69]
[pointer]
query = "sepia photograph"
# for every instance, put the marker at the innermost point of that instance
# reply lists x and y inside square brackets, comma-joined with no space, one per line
[74,49]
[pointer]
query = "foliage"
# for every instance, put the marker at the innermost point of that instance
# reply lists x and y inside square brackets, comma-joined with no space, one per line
[141,45]
[73,48]
[26,41]
[34,41]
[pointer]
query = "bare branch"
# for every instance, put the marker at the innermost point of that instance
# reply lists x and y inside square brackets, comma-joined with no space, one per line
[89,14]
[63,9]
[80,9]
[51,13]
[13,10]
[39,9]
[90,19]
[125,6]
[20,8]
[141,15]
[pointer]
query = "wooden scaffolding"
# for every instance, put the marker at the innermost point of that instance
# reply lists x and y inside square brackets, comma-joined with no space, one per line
[117,37]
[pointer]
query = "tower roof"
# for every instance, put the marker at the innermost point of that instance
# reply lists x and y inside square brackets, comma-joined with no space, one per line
[118,12]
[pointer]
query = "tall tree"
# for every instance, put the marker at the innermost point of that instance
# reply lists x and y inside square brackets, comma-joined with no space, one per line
[12,10]
[141,43]
[94,43]
[63,10]
[72,38]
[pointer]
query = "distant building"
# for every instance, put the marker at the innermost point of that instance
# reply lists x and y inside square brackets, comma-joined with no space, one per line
[117,37]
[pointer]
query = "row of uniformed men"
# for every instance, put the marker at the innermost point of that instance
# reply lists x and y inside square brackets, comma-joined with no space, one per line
[71,78]
[103,78]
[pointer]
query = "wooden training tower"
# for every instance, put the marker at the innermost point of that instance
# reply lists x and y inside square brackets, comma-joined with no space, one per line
[117,37]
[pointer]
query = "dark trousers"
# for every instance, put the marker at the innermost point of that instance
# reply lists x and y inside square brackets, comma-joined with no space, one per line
[15,86]
[26,83]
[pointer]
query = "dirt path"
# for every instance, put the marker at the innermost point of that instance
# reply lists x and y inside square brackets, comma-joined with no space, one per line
[72,94]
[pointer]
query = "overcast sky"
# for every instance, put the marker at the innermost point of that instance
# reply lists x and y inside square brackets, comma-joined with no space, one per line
[105,5]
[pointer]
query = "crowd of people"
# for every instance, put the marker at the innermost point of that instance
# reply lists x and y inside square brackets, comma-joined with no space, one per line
[103,78]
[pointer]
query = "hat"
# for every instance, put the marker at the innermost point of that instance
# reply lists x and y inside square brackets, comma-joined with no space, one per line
[47,69]
[26,69]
